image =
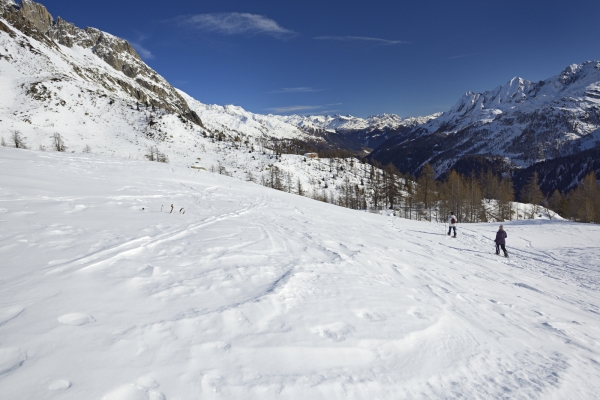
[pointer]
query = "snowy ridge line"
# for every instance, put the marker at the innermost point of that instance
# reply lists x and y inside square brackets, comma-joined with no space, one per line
[147,241]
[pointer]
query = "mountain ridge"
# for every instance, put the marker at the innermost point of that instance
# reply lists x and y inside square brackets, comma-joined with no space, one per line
[524,122]
[145,85]
[149,90]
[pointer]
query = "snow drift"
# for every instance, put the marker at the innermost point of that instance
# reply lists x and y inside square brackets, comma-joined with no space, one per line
[247,292]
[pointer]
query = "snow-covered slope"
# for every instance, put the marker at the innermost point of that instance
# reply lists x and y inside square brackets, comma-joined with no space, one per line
[61,77]
[49,88]
[97,98]
[524,121]
[235,120]
[259,294]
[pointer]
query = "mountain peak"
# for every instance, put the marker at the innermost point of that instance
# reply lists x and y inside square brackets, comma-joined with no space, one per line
[138,80]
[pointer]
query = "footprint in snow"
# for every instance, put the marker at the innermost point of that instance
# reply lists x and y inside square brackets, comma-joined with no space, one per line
[417,313]
[336,331]
[8,314]
[437,288]
[133,392]
[11,358]
[76,319]
[370,316]
[61,384]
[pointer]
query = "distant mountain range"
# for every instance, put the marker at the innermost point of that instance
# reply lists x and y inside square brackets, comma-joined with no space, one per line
[522,122]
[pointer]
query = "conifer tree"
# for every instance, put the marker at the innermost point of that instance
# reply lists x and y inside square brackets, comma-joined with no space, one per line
[531,193]
[558,203]
[426,189]
[456,195]
[584,202]
[299,188]
[506,195]
[392,190]
[473,200]
[490,186]
[409,199]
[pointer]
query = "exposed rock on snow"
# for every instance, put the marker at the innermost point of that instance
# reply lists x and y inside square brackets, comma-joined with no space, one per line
[144,86]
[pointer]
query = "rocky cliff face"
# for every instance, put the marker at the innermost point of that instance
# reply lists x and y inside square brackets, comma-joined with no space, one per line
[144,84]
[524,122]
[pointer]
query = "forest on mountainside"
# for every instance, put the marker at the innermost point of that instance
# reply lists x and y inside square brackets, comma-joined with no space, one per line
[482,197]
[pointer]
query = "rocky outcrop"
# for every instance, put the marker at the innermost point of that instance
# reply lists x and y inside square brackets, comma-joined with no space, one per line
[37,15]
[144,84]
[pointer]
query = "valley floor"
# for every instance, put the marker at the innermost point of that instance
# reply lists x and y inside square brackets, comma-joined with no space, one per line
[258,294]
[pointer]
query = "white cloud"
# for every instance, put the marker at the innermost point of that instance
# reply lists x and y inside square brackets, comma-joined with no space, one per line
[142,51]
[281,110]
[236,24]
[361,39]
[464,55]
[297,90]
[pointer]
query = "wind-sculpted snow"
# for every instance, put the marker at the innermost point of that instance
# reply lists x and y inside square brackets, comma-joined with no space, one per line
[247,292]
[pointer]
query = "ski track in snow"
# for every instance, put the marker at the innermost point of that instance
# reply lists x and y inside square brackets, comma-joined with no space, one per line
[259,294]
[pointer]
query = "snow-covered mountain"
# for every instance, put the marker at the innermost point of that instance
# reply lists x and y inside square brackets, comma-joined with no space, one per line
[348,123]
[48,60]
[525,122]
[258,294]
[129,75]
[72,90]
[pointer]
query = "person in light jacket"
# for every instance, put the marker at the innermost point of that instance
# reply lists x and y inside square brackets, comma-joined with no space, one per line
[452,223]
[501,241]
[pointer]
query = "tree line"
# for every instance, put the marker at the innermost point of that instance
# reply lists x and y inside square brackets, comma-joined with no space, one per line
[474,198]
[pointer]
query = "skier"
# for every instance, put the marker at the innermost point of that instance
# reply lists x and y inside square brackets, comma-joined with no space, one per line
[501,241]
[452,223]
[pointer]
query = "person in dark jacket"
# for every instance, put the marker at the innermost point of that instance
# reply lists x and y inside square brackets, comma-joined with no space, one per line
[452,223]
[501,241]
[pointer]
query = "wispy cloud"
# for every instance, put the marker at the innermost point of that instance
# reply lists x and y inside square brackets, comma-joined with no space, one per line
[297,90]
[383,42]
[465,55]
[290,109]
[235,24]
[137,45]
[142,51]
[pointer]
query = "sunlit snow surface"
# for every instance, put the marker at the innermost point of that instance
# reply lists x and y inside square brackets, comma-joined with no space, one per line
[259,294]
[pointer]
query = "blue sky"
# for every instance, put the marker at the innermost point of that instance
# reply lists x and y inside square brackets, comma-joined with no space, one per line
[348,57]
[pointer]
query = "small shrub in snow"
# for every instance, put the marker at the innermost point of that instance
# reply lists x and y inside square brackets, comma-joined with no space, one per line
[59,144]
[17,140]
[154,154]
